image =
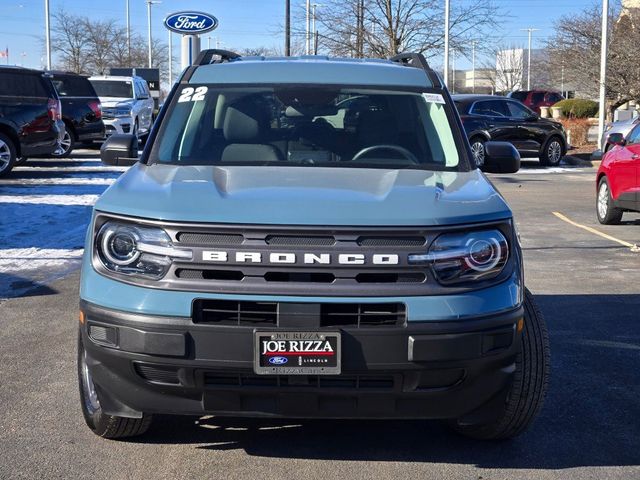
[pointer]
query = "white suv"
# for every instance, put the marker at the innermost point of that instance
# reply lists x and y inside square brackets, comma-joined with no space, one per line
[127,106]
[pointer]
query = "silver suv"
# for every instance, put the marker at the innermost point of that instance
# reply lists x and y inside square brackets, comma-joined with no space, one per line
[127,106]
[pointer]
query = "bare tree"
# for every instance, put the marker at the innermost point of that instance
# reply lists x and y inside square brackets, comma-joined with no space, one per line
[70,42]
[381,28]
[507,63]
[575,48]
[83,45]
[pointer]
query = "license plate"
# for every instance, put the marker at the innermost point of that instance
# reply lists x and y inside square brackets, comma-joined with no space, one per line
[297,353]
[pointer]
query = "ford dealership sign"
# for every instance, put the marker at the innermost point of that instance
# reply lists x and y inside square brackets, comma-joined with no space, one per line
[190,23]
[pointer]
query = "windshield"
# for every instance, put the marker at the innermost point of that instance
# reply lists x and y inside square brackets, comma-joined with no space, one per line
[306,126]
[111,88]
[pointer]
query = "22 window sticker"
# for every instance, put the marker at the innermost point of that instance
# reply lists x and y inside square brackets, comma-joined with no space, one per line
[190,94]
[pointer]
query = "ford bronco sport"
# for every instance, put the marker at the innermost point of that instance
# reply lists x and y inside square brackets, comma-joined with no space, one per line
[307,238]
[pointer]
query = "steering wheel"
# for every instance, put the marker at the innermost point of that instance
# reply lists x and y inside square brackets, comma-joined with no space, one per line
[396,148]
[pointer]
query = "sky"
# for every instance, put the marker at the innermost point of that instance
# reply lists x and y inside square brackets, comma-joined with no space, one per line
[243,23]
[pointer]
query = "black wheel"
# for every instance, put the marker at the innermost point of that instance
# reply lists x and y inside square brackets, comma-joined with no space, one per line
[107,426]
[530,381]
[606,212]
[7,155]
[552,152]
[66,144]
[20,161]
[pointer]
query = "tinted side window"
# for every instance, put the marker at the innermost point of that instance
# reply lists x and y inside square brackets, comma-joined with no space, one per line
[554,97]
[22,85]
[73,86]
[517,110]
[537,97]
[634,136]
[520,96]
[492,108]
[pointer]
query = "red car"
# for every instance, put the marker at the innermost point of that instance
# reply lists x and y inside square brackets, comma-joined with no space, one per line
[534,99]
[618,180]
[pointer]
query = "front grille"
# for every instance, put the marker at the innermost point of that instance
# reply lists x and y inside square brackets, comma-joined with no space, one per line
[303,241]
[242,313]
[338,382]
[301,261]
[230,312]
[210,238]
[157,374]
[391,241]
[362,314]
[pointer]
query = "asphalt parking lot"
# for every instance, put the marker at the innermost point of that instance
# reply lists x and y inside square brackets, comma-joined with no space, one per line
[587,285]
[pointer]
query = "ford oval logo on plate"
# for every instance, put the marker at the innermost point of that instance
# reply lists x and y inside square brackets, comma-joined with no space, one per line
[278,360]
[190,23]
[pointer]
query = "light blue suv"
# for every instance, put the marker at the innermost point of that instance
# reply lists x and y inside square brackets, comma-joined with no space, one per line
[307,238]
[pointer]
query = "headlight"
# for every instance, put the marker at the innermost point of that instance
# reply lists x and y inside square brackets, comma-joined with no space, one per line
[123,112]
[463,257]
[136,250]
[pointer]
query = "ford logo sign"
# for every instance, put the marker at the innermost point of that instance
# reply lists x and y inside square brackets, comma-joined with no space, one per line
[278,360]
[190,23]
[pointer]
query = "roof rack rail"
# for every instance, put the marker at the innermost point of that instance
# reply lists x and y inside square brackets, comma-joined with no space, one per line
[205,57]
[417,60]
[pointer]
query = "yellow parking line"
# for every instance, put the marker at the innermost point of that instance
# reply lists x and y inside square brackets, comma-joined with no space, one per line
[633,247]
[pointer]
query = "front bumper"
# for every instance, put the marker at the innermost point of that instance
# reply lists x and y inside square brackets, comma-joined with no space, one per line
[118,125]
[158,364]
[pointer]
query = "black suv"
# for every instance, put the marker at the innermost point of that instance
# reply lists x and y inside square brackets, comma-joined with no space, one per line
[81,111]
[487,117]
[30,116]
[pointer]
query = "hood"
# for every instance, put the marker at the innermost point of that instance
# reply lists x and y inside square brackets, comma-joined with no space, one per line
[303,196]
[114,101]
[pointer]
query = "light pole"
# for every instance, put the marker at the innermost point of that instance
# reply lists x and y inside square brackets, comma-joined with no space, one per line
[446,42]
[170,59]
[149,3]
[473,66]
[314,32]
[208,41]
[307,37]
[287,28]
[128,34]
[603,69]
[530,30]
[47,27]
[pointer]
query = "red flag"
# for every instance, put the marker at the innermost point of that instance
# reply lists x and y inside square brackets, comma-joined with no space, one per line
[4,54]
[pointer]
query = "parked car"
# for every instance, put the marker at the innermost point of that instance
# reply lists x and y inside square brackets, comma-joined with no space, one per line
[30,116]
[489,117]
[364,268]
[618,179]
[81,111]
[127,106]
[534,99]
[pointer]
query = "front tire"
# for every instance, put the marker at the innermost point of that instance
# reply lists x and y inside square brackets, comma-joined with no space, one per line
[526,397]
[477,150]
[7,155]
[103,425]
[552,152]
[606,212]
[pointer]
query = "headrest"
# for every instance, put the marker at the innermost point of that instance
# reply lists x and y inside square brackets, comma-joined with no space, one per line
[239,127]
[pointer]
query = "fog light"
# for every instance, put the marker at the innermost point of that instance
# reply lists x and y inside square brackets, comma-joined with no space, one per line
[103,335]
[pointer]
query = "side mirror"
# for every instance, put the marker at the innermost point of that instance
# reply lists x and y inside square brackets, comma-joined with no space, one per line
[616,139]
[120,150]
[532,118]
[501,157]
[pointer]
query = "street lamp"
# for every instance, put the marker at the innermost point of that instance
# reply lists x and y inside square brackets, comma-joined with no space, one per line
[446,43]
[603,69]
[149,3]
[530,30]
[47,28]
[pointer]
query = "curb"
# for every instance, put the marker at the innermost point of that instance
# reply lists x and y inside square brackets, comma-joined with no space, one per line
[579,162]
